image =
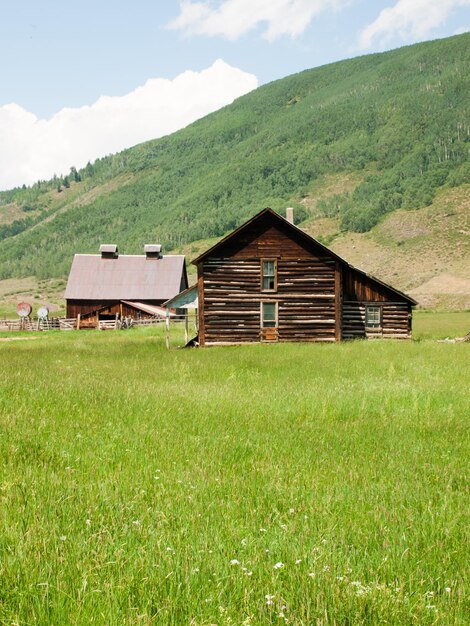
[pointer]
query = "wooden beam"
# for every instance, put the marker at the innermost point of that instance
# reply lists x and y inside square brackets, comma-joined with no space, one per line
[167,329]
[338,302]
[200,295]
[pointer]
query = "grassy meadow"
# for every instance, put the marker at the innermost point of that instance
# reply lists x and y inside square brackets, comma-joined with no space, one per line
[283,484]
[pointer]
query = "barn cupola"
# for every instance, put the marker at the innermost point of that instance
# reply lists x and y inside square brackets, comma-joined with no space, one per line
[153,250]
[109,251]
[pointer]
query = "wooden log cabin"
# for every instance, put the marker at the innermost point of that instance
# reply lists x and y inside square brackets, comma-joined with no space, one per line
[108,285]
[269,281]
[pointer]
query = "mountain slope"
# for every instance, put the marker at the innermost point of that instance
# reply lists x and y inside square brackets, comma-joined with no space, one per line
[396,123]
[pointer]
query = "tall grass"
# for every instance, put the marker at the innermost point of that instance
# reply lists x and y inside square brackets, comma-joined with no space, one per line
[298,484]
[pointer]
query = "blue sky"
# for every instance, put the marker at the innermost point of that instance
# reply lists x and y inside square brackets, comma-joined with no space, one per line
[58,55]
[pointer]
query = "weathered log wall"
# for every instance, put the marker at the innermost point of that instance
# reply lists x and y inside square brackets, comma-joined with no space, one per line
[396,321]
[319,297]
[232,293]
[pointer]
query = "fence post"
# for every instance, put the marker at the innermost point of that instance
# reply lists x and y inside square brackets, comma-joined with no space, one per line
[167,329]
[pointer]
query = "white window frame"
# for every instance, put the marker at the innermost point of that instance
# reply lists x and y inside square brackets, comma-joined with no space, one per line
[373,324]
[274,275]
[276,312]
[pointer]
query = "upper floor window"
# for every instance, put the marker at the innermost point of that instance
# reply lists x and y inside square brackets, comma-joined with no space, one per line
[373,316]
[268,275]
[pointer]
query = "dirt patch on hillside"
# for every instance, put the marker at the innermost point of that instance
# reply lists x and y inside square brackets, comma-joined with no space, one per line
[322,227]
[404,225]
[332,185]
[11,212]
[444,290]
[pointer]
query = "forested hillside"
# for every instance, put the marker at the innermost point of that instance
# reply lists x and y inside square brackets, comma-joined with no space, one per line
[398,123]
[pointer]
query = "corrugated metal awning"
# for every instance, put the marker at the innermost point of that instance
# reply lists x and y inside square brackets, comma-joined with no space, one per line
[187,299]
[151,309]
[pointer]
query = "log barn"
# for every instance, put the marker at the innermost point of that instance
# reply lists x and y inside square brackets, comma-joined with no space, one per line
[269,281]
[108,285]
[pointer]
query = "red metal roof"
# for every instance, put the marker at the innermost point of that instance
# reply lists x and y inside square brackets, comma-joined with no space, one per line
[128,277]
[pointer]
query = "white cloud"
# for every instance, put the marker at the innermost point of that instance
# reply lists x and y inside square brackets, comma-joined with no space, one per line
[233,18]
[33,149]
[410,20]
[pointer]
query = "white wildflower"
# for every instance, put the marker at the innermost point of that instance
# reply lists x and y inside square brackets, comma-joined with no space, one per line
[88,522]
[63,537]
[269,599]
[291,511]
[263,530]
[298,561]
[234,562]
[278,565]
[311,574]
[244,542]
[447,589]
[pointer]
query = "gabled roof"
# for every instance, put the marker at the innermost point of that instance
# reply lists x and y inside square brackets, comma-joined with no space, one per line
[127,277]
[298,234]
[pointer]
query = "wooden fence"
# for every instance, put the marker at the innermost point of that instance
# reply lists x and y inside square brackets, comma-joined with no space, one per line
[64,323]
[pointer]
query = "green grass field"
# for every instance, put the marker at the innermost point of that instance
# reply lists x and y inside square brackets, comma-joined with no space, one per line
[285,484]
